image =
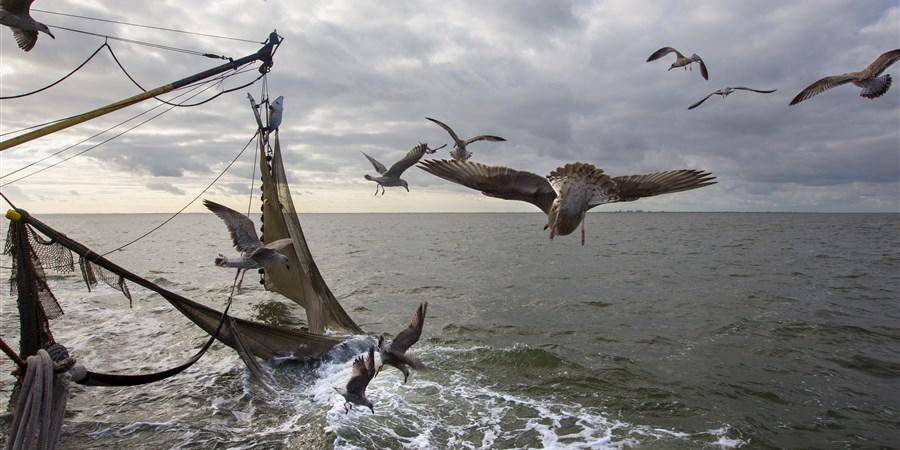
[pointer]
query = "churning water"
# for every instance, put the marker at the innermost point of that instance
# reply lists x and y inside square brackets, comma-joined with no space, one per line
[666,330]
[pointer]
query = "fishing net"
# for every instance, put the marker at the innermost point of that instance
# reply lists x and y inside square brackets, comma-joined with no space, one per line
[302,283]
[261,340]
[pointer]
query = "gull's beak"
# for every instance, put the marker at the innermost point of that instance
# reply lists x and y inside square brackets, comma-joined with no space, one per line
[51,34]
[407,188]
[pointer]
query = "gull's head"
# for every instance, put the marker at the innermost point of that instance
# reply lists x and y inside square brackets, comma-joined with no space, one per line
[45,29]
[283,260]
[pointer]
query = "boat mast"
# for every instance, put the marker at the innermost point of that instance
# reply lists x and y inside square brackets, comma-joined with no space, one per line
[264,54]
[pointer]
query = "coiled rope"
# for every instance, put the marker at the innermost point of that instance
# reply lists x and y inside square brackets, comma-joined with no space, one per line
[42,401]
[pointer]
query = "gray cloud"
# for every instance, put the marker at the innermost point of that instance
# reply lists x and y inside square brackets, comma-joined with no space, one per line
[562,81]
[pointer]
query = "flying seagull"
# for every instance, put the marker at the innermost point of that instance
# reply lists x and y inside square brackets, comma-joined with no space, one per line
[569,191]
[363,372]
[873,85]
[680,60]
[16,14]
[395,354]
[728,90]
[391,177]
[459,152]
[254,254]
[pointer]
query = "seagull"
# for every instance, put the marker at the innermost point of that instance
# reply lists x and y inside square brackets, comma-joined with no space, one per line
[459,152]
[569,191]
[254,254]
[873,85]
[680,60]
[276,109]
[16,14]
[363,372]
[728,90]
[395,354]
[392,177]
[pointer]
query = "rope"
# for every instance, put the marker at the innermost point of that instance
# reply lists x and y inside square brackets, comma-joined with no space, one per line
[146,26]
[42,403]
[148,44]
[60,80]
[94,146]
[222,78]
[190,202]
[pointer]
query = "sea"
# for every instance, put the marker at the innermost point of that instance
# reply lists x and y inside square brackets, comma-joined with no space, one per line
[662,331]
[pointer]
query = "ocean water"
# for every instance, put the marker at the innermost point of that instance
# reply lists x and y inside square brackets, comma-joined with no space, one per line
[666,330]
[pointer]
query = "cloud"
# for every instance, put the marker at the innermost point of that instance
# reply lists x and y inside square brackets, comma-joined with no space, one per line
[561,81]
[165,187]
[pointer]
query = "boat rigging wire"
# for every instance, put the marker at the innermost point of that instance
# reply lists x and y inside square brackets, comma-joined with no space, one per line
[148,44]
[203,191]
[145,26]
[10,97]
[210,82]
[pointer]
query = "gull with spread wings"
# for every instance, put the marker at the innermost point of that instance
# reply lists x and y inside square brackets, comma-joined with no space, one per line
[16,14]
[459,152]
[395,354]
[391,177]
[363,372]
[873,85]
[569,191]
[680,60]
[728,90]
[254,254]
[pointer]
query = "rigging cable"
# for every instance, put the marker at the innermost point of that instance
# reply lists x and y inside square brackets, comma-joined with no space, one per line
[95,135]
[147,26]
[148,44]
[61,79]
[192,200]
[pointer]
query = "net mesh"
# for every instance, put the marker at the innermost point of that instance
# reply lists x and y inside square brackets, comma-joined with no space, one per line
[302,283]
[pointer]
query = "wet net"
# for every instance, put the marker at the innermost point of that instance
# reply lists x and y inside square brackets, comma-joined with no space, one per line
[302,283]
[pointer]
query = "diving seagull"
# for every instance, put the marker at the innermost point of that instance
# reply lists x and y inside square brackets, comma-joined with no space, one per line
[459,152]
[276,109]
[16,14]
[873,85]
[728,90]
[254,254]
[391,177]
[680,60]
[569,191]
[395,354]
[363,372]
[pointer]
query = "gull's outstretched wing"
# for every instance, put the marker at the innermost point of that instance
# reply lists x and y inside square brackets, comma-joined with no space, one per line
[495,181]
[241,228]
[633,187]
[379,167]
[412,157]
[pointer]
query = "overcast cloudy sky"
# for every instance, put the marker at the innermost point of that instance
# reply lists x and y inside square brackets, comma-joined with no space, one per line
[562,81]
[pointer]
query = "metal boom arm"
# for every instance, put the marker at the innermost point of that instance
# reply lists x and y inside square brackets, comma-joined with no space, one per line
[264,54]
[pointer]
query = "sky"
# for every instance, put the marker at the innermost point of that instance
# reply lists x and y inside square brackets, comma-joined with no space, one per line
[561,81]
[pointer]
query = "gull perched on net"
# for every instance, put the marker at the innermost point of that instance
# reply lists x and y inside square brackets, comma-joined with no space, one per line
[16,14]
[254,255]
[569,191]
[363,372]
[873,85]
[728,90]
[680,60]
[395,354]
[391,177]
[459,152]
